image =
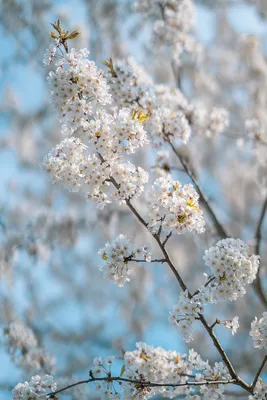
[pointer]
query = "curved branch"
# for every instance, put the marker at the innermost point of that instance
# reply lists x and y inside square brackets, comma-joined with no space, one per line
[137,382]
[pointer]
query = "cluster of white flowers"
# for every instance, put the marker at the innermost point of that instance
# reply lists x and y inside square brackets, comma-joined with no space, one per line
[209,123]
[178,17]
[167,125]
[232,324]
[127,86]
[146,364]
[174,207]
[63,163]
[174,22]
[259,332]
[19,336]
[36,388]
[115,134]
[74,85]
[118,256]
[22,344]
[103,173]
[158,365]
[260,391]
[124,180]
[185,313]
[233,266]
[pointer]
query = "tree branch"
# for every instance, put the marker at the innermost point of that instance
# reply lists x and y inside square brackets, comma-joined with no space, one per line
[257,284]
[259,372]
[137,382]
[183,286]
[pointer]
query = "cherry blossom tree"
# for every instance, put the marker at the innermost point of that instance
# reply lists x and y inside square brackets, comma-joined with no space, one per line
[160,177]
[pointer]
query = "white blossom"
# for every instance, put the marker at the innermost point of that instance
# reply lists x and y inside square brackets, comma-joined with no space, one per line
[64,162]
[19,337]
[232,324]
[259,332]
[234,267]
[36,388]
[166,124]
[119,256]
[74,85]
[174,207]
[184,314]
[260,391]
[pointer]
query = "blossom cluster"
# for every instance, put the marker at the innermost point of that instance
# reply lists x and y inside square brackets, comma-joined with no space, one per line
[128,85]
[157,365]
[122,132]
[63,162]
[184,314]
[233,268]
[119,257]
[23,347]
[259,332]
[36,388]
[167,125]
[75,83]
[97,140]
[174,208]
[260,391]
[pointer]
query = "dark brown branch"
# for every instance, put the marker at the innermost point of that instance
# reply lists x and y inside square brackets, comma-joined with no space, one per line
[259,372]
[257,284]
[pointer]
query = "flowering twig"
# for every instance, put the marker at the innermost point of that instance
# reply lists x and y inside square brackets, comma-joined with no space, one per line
[141,383]
[239,381]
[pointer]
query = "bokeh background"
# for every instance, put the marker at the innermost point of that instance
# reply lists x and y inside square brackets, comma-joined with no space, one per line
[50,238]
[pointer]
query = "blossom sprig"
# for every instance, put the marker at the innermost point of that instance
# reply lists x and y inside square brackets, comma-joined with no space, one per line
[233,267]
[232,324]
[36,388]
[147,372]
[174,208]
[118,257]
[186,312]
[128,86]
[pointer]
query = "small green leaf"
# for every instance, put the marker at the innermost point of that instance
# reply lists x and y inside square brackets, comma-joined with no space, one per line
[122,370]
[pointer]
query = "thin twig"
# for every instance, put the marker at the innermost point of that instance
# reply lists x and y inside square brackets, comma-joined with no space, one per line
[214,323]
[259,372]
[220,229]
[257,284]
[161,260]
